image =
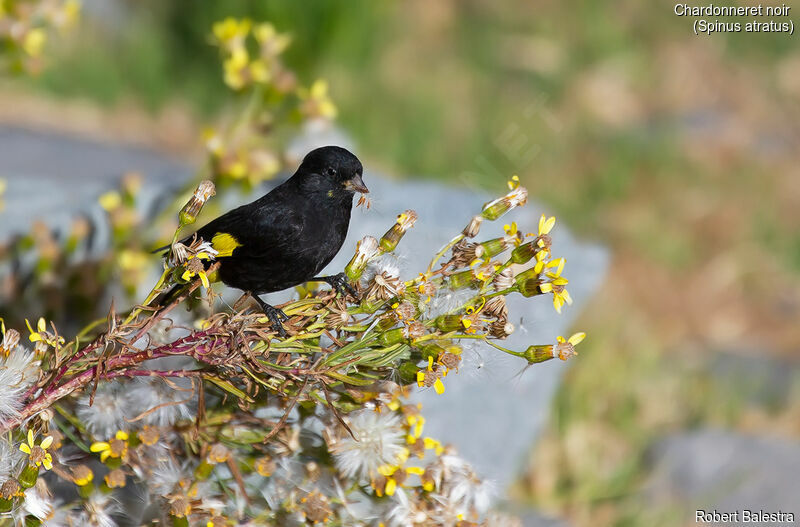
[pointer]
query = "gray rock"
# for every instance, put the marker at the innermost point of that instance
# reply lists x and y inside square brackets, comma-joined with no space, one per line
[715,469]
[53,177]
[534,519]
[756,380]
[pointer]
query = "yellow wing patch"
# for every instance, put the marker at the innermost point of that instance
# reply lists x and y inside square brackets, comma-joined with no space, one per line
[224,244]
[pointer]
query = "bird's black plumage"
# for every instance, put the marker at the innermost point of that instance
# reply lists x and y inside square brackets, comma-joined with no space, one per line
[289,235]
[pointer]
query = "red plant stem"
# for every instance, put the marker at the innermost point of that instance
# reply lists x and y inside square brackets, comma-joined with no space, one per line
[65,368]
[46,399]
[151,373]
[117,366]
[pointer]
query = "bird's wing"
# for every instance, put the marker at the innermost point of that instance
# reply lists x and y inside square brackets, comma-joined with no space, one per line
[253,231]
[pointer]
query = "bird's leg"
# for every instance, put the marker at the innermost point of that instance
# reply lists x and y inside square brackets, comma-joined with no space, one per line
[339,282]
[275,315]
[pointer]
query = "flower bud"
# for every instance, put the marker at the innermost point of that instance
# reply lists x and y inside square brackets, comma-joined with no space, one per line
[366,250]
[449,323]
[202,193]
[391,337]
[462,279]
[408,372]
[530,287]
[9,491]
[431,351]
[536,354]
[527,274]
[491,248]
[495,209]
[393,236]
[524,253]
[27,478]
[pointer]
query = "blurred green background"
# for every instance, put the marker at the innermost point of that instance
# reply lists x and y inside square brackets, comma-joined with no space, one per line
[679,152]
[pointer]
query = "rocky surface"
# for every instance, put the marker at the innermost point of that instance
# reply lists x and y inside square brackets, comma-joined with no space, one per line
[726,471]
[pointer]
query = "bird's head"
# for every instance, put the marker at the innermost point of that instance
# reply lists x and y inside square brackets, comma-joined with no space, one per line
[337,167]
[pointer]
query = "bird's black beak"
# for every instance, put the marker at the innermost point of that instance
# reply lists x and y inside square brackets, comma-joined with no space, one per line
[357,184]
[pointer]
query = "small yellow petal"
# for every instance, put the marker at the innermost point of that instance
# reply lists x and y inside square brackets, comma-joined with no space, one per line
[122,436]
[577,338]
[25,448]
[546,288]
[557,303]
[105,455]
[415,470]
[547,226]
[99,446]
[391,486]
[186,275]
[204,279]
[565,295]
[48,462]
[439,386]
[46,442]
[30,437]
[386,470]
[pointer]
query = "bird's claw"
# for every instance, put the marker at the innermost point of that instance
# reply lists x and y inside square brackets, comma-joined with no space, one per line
[276,316]
[342,285]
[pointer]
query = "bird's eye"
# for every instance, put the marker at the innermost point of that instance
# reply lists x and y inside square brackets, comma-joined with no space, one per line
[330,171]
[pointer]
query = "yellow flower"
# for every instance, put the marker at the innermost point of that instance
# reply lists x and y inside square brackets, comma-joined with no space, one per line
[41,334]
[82,475]
[38,454]
[234,68]
[34,42]
[557,285]
[415,424]
[231,32]
[110,200]
[114,448]
[433,444]
[429,377]
[41,328]
[195,267]
[546,224]
[72,9]
[513,182]
[565,348]
[272,43]
[318,102]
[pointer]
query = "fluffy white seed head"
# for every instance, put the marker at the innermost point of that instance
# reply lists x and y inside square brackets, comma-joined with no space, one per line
[378,441]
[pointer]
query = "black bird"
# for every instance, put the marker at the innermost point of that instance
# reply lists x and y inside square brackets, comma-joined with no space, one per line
[289,235]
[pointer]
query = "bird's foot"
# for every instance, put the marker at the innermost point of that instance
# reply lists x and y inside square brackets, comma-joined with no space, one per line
[276,316]
[340,283]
